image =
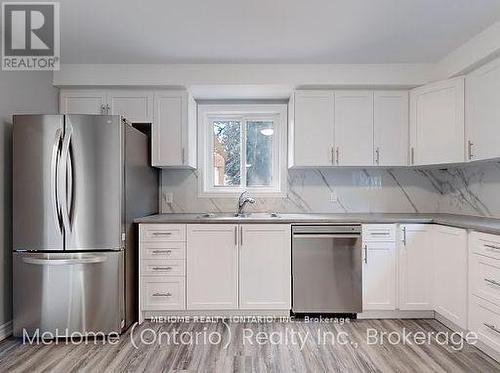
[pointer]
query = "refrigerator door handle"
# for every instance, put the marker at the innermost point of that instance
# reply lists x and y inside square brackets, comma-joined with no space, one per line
[54,164]
[66,179]
[87,259]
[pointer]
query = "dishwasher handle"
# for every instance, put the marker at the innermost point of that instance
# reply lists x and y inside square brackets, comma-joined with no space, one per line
[319,235]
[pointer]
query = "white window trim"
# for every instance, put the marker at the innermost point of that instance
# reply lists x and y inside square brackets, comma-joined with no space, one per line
[206,112]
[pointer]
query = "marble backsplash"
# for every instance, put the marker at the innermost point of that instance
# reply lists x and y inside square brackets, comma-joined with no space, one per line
[472,189]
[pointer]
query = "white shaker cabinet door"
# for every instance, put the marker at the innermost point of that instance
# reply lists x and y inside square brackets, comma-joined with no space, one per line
[265,266]
[212,266]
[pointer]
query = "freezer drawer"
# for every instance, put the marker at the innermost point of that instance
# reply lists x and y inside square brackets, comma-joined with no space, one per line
[62,293]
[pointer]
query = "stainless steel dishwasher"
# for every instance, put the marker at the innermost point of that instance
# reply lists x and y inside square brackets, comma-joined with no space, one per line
[326,269]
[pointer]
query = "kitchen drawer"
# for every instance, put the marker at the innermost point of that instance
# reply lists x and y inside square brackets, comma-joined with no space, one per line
[163,250]
[484,319]
[163,267]
[485,244]
[163,293]
[485,278]
[163,232]
[379,232]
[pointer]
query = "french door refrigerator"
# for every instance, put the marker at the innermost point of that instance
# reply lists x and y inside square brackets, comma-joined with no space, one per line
[78,183]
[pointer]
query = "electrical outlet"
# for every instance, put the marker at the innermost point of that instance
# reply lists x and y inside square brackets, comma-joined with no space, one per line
[169,198]
[333,196]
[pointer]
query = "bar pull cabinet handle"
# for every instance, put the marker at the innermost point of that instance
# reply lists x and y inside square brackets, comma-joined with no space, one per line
[412,155]
[168,252]
[366,254]
[162,268]
[241,235]
[492,282]
[162,233]
[162,294]
[404,236]
[337,152]
[332,155]
[183,156]
[377,156]
[379,234]
[469,149]
[493,247]
[235,236]
[492,327]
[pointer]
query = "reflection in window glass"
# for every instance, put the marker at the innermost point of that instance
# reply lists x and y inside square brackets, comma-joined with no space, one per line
[227,153]
[259,153]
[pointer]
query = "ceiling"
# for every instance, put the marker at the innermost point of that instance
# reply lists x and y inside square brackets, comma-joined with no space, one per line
[269,31]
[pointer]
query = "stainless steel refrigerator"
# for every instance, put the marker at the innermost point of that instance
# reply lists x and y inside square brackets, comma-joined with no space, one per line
[78,183]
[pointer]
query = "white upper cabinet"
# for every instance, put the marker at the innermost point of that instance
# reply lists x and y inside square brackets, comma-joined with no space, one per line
[264,270]
[353,128]
[82,101]
[135,105]
[437,123]
[311,129]
[482,114]
[391,128]
[174,130]
[450,273]
[415,267]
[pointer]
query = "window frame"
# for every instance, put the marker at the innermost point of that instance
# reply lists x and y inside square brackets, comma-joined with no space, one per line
[207,113]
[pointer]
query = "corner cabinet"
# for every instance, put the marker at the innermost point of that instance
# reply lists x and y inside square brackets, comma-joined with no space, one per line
[437,128]
[174,130]
[450,269]
[482,112]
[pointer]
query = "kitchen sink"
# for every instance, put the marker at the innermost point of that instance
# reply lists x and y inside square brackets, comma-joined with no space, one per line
[235,216]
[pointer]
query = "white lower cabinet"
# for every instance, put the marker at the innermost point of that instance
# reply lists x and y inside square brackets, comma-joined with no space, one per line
[379,267]
[450,274]
[415,267]
[265,267]
[212,266]
[163,293]
[379,276]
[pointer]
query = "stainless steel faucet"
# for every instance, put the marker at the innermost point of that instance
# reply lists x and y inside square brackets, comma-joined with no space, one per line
[243,200]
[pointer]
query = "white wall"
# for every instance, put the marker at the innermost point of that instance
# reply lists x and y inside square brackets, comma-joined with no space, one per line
[20,92]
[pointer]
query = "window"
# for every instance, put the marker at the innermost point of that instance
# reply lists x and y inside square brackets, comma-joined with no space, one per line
[242,147]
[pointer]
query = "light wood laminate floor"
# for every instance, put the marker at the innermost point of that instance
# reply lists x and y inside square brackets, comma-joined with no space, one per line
[243,356]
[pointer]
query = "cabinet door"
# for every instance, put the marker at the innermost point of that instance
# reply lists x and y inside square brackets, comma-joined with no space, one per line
[437,123]
[483,112]
[415,267]
[379,276]
[450,274]
[311,129]
[136,106]
[354,128]
[212,266]
[83,101]
[265,266]
[174,135]
[391,128]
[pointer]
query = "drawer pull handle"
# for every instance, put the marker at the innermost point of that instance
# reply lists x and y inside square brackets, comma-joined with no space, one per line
[162,268]
[379,233]
[492,282]
[492,247]
[162,294]
[168,252]
[492,327]
[162,233]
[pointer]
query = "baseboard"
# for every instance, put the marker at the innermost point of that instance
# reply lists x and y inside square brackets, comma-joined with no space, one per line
[5,330]
[495,355]
[396,314]
[449,324]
